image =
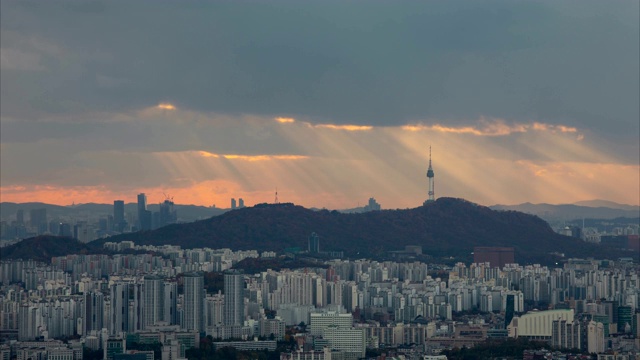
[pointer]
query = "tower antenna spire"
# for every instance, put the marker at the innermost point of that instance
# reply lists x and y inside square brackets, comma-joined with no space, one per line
[276,201]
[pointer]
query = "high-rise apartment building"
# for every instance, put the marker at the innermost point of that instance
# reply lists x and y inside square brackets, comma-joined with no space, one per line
[93,311]
[565,334]
[193,306]
[595,337]
[119,309]
[233,298]
[314,243]
[170,312]
[233,204]
[153,301]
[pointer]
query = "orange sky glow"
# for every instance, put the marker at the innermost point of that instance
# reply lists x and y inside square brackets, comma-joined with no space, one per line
[341,169]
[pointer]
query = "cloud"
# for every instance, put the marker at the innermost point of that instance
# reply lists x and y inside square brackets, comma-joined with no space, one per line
[208,154]
[345,127]
[16,59]
[285,120]
[496,127]
[166,106]
[335,63]
[252,157]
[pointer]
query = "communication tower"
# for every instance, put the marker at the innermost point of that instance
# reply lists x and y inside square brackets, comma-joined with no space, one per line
[430,176]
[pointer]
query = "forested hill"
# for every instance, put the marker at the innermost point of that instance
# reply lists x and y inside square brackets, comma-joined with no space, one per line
[447,227]
[43,248]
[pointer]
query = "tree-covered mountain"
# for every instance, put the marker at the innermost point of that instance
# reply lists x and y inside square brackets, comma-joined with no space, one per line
[43,248]
[446,227]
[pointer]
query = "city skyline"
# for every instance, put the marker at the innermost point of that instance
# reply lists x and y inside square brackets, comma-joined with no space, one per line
[330,103]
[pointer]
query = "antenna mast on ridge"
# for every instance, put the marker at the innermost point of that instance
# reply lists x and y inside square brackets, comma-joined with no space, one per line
[276,201]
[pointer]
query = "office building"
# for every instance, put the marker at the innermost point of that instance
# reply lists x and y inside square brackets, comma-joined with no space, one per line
[118,216]
[321,320]
[625,318]
[144,216]
[233,204]
[350,340]
[38,219]
[537,324]
[240,203]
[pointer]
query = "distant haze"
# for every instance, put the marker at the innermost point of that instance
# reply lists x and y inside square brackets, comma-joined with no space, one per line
[330,102]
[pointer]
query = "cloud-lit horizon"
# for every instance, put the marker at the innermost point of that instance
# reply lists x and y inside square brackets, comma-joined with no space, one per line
[329,102]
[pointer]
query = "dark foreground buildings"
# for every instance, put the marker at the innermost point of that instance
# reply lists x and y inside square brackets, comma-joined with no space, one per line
[497,256]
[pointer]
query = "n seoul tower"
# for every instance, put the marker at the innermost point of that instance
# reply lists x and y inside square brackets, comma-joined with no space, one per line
[430,175]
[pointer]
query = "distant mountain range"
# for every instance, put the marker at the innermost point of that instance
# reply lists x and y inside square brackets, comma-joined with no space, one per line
[446,227]
[592,209]
[186,213]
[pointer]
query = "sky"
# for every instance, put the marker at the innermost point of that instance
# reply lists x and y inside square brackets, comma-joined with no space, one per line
[329,102]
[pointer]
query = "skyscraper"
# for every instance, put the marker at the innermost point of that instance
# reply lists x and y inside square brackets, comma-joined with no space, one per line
[233,298]
[168,214]
[193,306]
[233,204]
[510,309]
[39,220]
[118,215]
[142,202]
[144,215]
[240,203]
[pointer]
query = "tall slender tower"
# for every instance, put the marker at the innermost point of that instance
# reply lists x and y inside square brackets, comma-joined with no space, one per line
[430,176]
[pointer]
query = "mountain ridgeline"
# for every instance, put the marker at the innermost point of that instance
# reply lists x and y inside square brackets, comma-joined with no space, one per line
[446,227]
